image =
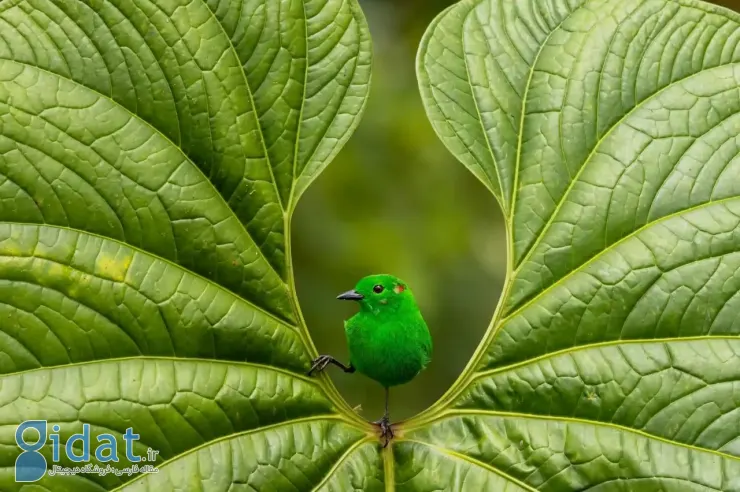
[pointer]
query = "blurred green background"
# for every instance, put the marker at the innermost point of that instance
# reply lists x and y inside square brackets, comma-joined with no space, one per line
[396,201]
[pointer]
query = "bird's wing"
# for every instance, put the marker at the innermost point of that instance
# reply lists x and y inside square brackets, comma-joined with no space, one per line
[427,351]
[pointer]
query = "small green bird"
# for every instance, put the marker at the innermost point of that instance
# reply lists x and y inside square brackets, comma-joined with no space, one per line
[388,339]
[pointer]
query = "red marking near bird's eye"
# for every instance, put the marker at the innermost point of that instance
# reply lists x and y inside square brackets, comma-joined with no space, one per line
[399,288]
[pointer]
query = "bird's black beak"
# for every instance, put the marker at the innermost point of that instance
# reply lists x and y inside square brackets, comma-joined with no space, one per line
[351,295]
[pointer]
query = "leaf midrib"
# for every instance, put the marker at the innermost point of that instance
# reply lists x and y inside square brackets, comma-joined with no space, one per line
[149,50]
[52,331]
[235,435]
[257,121]
[458,412]
[166,358]
[612,247]
[591,346]
[299,123]
[540,237]
[472,461]
[354,447]
[138,250]
[480,118]
[515,191]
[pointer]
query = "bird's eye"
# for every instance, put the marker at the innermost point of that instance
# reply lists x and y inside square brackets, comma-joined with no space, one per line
[378,289]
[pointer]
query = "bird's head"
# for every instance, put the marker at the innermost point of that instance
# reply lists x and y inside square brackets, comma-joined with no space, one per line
[380,292]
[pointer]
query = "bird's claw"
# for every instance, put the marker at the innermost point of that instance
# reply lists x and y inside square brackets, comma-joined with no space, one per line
[386,431]
[319,364]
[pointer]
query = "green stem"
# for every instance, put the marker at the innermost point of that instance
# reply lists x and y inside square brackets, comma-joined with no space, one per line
[323,379]
[467,375]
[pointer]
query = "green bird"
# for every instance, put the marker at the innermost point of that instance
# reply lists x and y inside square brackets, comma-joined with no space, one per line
[388,339]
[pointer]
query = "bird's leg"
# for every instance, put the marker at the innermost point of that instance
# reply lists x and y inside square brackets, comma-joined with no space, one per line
[386,431]
[320,363]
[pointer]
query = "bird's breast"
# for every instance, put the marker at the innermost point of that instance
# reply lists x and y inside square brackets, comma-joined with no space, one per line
[388,353]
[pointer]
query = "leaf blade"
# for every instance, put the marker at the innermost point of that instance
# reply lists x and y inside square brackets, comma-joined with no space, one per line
[144,221]
[615,159]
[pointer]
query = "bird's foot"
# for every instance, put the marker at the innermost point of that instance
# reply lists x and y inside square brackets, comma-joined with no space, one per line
[320,363]
[386,431]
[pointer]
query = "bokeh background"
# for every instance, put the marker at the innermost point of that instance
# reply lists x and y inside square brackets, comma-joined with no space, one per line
[396,201]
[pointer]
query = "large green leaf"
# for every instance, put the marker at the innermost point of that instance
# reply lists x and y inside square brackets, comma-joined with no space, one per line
[151,155]
[607,130]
